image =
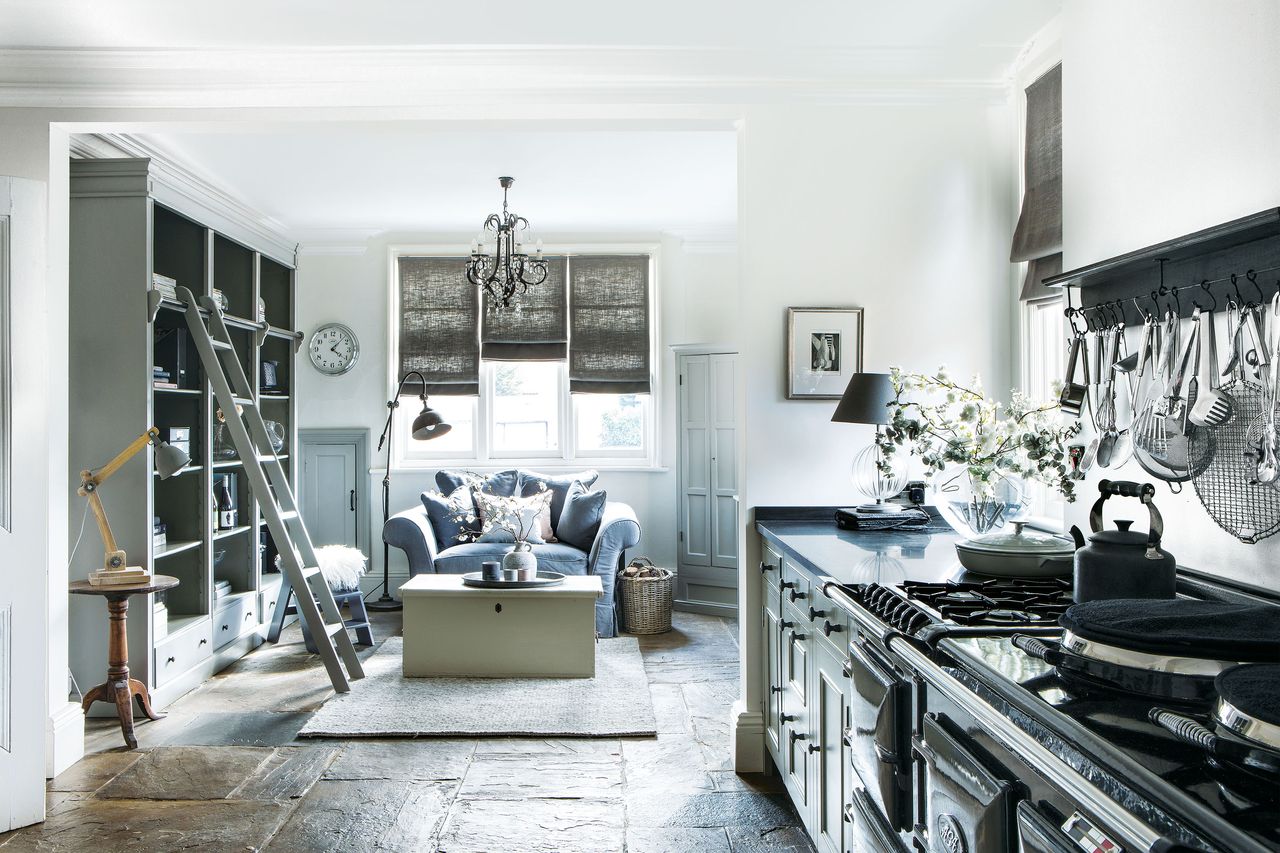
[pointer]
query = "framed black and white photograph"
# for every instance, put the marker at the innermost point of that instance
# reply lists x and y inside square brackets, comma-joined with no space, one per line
[824,349]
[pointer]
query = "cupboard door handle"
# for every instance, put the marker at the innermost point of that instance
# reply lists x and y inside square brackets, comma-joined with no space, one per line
[204,641]
[828,629]
[813,747]
[787,584]
[798,637]
[782,718]
[775,689]
[765,567]
[795,736]
[785,624]
[170,660]
[795,595]
[814,614]
[352,497]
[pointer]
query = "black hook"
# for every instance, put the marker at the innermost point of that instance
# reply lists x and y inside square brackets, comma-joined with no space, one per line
[1164,291]
[1204,285]
[1235,282]
[1253,279]
[1142,312]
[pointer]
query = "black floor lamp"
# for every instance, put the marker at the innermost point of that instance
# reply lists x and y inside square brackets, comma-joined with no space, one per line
[426,426]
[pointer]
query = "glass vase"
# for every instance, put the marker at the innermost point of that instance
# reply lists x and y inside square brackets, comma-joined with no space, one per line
[975,506]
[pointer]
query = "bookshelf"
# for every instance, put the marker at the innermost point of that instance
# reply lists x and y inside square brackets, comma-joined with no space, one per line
[127,224]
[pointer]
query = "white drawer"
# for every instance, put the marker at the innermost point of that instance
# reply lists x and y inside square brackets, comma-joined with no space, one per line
[238,617]
[177,654]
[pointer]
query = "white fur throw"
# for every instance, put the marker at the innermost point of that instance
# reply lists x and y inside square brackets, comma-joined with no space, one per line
[341,566]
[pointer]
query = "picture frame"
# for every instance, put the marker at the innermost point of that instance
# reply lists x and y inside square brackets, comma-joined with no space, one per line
[824,349]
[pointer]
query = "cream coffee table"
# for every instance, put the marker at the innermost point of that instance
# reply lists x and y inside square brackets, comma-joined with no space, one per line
[454,629]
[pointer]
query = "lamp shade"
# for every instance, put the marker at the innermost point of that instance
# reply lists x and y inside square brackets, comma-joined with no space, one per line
[865,400]
[169,460]
[429,424]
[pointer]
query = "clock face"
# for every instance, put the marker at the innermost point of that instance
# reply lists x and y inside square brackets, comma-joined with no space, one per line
[334,349]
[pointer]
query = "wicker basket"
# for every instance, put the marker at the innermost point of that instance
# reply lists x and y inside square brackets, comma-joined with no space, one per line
[646,602]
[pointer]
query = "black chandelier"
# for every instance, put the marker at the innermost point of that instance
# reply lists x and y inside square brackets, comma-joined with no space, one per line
[509,271]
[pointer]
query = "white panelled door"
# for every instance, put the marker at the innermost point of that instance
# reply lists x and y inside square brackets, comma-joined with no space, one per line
[708,480]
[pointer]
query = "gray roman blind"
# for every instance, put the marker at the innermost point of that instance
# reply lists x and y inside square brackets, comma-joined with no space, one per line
[609,324]
[439,325]
[540,332]
[1039,232]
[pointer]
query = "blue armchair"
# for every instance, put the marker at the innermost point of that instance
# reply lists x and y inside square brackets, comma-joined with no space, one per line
[411,531]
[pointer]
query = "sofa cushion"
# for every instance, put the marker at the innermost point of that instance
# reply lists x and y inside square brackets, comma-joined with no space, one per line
[558,485]
[580,520]
[502,483]
[453,518]
[468,556]
[500,516]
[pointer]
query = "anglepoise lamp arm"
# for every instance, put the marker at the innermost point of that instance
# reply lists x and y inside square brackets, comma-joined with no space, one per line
[426,426]
[91,481]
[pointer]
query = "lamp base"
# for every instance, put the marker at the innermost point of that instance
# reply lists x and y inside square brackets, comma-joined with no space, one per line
[130,575]
[384,604]
[880,507]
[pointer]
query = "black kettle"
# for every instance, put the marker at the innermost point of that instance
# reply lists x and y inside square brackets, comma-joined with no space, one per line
[1123,563]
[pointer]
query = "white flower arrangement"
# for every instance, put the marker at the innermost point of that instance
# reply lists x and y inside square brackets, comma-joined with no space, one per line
[514,514]
[947,425]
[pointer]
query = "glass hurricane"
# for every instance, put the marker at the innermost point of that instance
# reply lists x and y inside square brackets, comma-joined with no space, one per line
[976,506]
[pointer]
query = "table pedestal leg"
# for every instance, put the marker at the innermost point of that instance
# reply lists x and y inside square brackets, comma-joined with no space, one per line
[119,687]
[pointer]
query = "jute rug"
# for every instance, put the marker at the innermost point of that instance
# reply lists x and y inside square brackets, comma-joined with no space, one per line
[615,703]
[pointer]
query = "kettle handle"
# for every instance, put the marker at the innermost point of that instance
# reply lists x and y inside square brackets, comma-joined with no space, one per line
[1144,492]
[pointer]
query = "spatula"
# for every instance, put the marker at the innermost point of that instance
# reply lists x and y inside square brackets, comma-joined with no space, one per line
[1212,408]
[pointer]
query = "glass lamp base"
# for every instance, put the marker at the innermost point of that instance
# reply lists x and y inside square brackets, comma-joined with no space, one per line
[875,482]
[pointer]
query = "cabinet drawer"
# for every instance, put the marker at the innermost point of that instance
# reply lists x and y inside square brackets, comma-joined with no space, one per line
[175,655]
[795,585]
[770,566]
[240,615]
[267,603]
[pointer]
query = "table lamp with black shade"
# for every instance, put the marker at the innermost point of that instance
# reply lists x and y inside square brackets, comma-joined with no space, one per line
[866,400]
[427,425]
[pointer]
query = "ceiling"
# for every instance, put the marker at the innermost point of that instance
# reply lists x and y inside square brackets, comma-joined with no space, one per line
[402,177]
[975,28]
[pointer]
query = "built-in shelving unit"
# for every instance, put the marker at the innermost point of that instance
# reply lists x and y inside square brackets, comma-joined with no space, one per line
[127,224]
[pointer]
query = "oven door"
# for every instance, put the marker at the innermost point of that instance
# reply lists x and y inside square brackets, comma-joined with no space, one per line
[968,807]
[878,736]
[868,831]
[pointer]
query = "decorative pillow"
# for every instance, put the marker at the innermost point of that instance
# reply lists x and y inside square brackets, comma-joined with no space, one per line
[503,483]
[558,485]
[580,520]
[453,518]
[499,516]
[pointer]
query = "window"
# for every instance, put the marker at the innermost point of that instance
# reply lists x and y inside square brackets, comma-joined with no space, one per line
[525,410]
[1044,360]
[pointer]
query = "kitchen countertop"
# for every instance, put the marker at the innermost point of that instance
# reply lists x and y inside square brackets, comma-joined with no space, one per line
[810,538]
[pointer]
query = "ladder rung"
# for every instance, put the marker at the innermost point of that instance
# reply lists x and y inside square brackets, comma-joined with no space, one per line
[247,402]
[217,344]
[335,629]
[309,573]
[289,516]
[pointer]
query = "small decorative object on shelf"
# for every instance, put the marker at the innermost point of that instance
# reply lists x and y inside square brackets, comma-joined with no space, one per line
[224,493]
[980,450]
[178,436]
[276,433]
[221,298]
[168,461]
[170,368]
[269,380]
[262,310]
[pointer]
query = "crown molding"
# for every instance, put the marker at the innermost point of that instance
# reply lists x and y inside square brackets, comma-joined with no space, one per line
[705,240]
[232,216]
[451,76]
[336,241]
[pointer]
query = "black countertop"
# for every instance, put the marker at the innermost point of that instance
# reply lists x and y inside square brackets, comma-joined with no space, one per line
[810,538]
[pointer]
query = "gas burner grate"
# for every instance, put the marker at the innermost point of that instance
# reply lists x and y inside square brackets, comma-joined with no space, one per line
[995,601]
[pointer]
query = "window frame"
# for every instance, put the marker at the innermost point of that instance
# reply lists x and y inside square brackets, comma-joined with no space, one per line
[1052,506]
[483,455]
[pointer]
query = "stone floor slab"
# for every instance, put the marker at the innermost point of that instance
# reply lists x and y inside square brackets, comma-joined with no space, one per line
[105,826]
[748,810]
[354,817]
[684,672]
[93,771]
[403,760]
[543,746]
[669,709]
[560,776]
[786,839]
[288,774]
[533,826]
[676,840]
[231,728]
[727,780]
[187,773]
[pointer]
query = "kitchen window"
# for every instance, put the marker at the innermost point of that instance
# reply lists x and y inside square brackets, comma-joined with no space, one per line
[1044,359]
[531,411]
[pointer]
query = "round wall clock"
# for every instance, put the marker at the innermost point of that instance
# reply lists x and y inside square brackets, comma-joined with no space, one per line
[334,349]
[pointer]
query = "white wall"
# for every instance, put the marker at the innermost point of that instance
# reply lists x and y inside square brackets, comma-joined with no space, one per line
[1171,112]
[698,304]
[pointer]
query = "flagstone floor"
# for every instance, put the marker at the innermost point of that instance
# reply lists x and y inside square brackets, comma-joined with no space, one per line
[224,771]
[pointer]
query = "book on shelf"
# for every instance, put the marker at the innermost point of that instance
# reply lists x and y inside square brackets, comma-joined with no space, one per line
[165,385]
[159,541]
[167,286]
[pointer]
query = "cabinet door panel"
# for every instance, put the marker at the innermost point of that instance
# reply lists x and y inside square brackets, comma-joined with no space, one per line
[829,713]
[773,671]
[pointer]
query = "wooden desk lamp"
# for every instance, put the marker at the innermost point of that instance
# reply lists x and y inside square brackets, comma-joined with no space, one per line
[169,461]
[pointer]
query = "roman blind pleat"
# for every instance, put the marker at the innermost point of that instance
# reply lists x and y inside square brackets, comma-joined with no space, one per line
[609,324]
[540,332]
[1037,271]
[1039,231]
[439,325]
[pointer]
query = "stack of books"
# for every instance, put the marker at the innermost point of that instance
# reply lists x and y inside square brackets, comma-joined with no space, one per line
[168,287]
[160,378]
[159,537]
[221,589]
[160,620]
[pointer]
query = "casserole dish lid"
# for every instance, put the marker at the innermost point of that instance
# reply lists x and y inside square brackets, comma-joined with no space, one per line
[1206,629]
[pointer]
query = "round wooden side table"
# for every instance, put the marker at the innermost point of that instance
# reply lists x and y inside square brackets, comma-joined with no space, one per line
[119,688]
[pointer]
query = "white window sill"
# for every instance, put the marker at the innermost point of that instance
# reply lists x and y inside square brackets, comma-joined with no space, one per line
[488,467]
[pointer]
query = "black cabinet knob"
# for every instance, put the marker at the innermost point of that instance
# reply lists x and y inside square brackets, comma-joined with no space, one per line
[796,736]
[775,689]
[798,637]
[795,595]
[828,629]
[786,624]
[765,567]
[815,614]
[782,718]
[788,584]
[813,747]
